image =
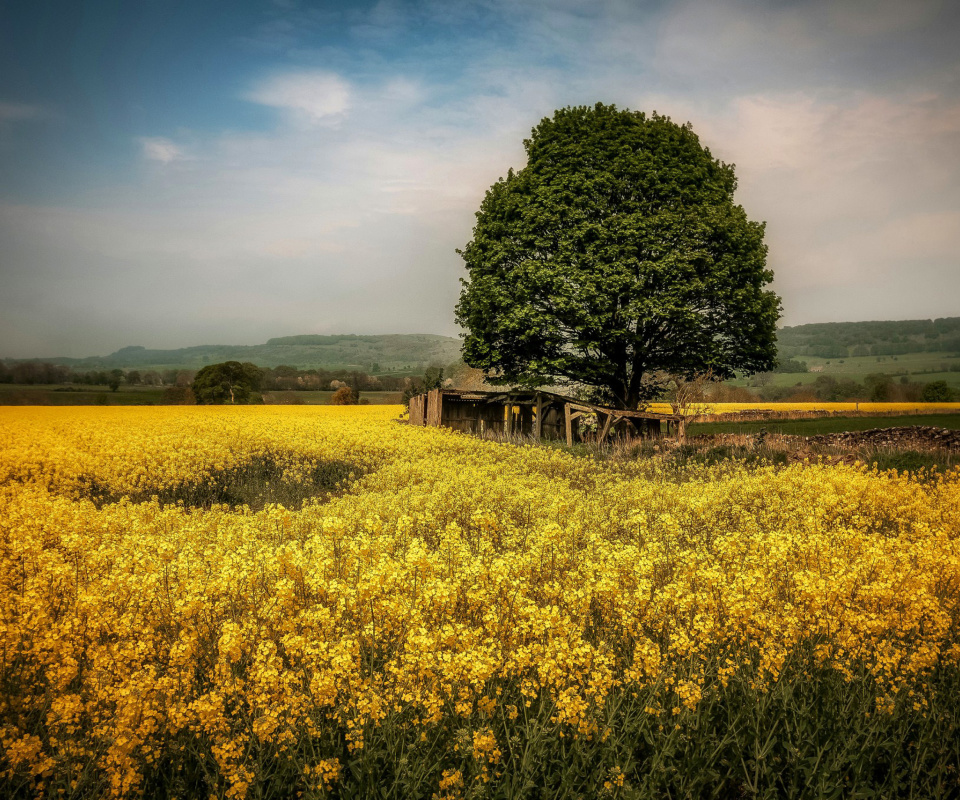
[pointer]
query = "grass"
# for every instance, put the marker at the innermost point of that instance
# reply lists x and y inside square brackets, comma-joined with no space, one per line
[821,425]
[762,443]
[923,367]
[13,394]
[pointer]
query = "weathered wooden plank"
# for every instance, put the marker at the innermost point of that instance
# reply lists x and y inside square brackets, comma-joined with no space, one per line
[434,408]
[416,410]
[513,412]
[606,427]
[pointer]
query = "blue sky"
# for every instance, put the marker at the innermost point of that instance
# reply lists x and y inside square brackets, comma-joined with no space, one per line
[177,173]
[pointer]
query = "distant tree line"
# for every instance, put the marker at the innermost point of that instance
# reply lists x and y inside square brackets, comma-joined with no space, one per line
[875,388]
[179,385]
[42,372]
[290,379]
[881,338]
[790,365]
[281,378]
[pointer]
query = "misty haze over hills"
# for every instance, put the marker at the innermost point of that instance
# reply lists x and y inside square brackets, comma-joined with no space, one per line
[384,353]
[413,352]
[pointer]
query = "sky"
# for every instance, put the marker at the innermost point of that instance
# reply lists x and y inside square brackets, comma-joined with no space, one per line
[225,171]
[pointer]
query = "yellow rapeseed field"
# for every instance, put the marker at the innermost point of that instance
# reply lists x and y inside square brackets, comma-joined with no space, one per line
[457,604]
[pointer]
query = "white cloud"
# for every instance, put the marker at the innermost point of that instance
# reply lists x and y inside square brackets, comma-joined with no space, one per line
[316,96]
[157,148]
[349,209]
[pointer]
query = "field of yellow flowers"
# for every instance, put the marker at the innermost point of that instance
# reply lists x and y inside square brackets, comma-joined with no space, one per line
[453,618]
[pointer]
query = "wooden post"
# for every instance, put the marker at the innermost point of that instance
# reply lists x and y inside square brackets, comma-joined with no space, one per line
[494,423]
[526,420]
[434,408]
[416,409]
[606,427]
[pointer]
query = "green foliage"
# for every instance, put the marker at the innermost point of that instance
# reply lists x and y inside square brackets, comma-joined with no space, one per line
[229,382]
[877,338]
[790,365]
[937,392]
[879,386]
[432,379]
[617,252]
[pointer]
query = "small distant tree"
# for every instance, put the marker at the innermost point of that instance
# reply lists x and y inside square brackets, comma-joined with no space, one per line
[791,365]
[937,392]
[229,382]
[345,396]
[116,376]
[688,398]
[432,379]
[880,387]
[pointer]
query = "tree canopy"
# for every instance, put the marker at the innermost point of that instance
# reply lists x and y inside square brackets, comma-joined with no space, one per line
[616,254]
[229,382]
[937,392]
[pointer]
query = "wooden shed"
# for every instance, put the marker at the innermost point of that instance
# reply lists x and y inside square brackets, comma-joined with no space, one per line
[532,413]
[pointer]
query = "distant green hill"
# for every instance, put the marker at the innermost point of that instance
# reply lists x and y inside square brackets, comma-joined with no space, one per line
[882,338]
[390,353]
[412,353]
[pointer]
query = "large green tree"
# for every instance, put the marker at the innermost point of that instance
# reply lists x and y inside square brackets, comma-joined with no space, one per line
[615,255]
[229,382]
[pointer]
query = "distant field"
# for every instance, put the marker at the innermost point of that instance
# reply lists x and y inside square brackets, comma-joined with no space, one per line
[323,398]
[815,427]
[923,367]
[44,395]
